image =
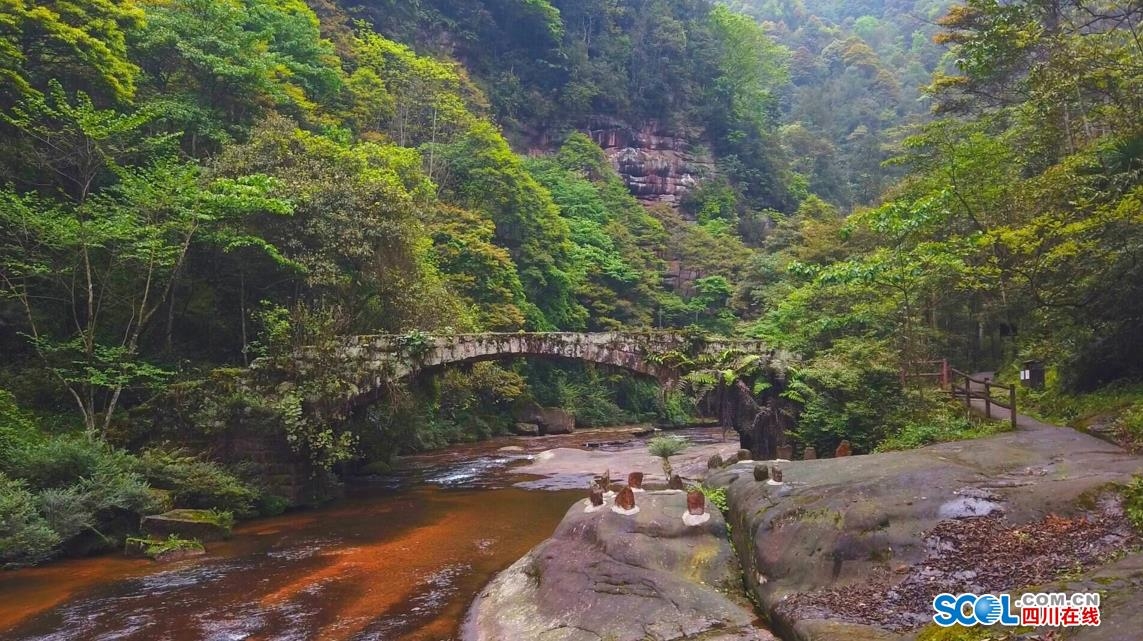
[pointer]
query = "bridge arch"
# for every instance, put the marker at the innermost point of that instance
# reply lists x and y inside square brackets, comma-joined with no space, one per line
[370,364]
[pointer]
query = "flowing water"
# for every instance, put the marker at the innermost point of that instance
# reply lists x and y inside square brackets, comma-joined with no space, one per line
[398,560]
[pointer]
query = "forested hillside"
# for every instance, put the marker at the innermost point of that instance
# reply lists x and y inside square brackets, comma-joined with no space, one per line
[187,185]
[858,70]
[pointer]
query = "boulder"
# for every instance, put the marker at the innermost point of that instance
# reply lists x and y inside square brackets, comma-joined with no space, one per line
[622,578]
[714,462]
[864,525]
[526,429]
[548,420]
[744,455]
[198,525]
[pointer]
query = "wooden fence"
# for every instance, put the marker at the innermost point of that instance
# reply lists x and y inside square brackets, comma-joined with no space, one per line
[963,386]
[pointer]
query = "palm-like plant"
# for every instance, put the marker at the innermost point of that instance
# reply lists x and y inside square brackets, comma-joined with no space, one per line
[665,447]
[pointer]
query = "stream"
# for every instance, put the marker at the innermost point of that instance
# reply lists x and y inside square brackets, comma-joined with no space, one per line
[399,559]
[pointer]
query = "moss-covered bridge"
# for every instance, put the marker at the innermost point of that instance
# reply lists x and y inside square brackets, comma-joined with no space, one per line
[367,364]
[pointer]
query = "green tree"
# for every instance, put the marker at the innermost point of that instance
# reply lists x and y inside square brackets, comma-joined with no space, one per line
[81,43]
[91,269]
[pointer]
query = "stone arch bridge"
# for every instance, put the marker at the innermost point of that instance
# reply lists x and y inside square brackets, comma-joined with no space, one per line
[271,415]
[366,365]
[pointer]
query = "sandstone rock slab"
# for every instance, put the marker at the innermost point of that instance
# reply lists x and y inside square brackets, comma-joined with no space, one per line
[646,577]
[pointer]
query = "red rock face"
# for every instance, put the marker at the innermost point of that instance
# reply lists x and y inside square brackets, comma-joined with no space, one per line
[656,164]
[625,500]
[696,503]
[843,450]
[635,480]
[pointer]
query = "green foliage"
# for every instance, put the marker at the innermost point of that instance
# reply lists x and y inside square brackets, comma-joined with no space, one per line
[81,42]
[196,57]
[1133,502]
[927,420]
[665,447]
[153,548]
[25,537]
[716,496]
[195,483]
[488,177]
[850,391]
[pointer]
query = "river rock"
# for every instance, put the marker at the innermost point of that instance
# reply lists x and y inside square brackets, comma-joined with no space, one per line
[761,472]
[526,429]
[556,421]
[714,462]
[676,482]
[844,524]
[744,455]
[605,576]
[199,525]
[810,454]
[786,452]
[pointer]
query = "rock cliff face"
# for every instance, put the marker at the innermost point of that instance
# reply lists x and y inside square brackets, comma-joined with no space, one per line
[658,164]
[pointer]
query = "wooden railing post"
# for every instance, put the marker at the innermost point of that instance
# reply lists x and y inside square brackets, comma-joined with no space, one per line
[967,393]
[945,374]
[1012,403]
[987,400]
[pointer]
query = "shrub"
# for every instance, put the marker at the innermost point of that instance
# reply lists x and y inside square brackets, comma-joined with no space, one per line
[195,483]
[60,461]
[25,537]
[105,504]
[665,447]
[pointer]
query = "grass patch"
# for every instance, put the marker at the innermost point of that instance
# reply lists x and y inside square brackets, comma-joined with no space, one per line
[941,423]
[1133,502]
[1118,406]
[934,632]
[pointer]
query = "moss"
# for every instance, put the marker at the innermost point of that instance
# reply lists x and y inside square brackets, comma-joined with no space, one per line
[933,632]
[155,547]
[223,520]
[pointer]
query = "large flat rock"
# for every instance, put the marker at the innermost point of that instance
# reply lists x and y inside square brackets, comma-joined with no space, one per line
[572,468]
[602,575]
[855,526]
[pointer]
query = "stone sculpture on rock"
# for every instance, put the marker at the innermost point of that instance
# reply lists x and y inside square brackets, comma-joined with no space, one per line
[696,508]
[844,449]
[625,502]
